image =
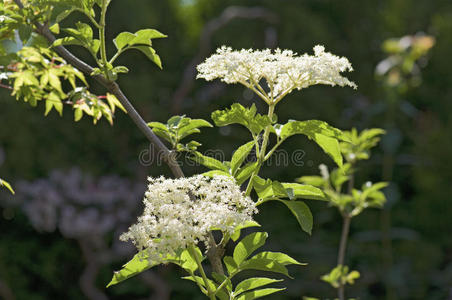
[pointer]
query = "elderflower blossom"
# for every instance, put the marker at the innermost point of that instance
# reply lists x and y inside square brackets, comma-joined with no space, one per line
[180,212]
[283,70]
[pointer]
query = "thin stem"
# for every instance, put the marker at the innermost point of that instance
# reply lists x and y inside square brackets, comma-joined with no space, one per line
[117,54]
[341,254]
[344,238]
[193,253]
[261,156]
[88,15]
[267,156]
[103,48]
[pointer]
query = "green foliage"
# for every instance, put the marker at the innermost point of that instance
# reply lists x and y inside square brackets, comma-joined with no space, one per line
[400,70]
[326,136]
[353,201]
[5,184]
[141,262]
[268,190]
[238,114]
[178,128]
[341,275]
[360,144]
[140,40]
[39,74]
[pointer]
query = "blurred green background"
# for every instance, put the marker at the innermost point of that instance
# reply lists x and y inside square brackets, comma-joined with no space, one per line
[57,236]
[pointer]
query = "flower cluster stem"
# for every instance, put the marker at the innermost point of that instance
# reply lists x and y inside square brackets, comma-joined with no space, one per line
[210,293]
[261,157]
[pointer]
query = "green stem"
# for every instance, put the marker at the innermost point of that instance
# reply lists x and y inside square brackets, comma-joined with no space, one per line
[193,253]
[267,156]
[261,156]
[103,48]
[344,238]
[88,15]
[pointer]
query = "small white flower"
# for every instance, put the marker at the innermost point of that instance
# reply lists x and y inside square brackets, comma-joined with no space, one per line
[324,172]
[283,70]
[180,212]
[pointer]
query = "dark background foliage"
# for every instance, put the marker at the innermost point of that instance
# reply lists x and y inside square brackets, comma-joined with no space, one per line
[47,264]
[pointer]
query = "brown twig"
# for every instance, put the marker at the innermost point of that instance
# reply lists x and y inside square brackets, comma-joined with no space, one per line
[113,88]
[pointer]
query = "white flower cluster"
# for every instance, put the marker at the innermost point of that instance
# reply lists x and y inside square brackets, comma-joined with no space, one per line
[283,70]
[180,212]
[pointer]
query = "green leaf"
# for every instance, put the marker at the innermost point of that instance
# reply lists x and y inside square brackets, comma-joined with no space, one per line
[208,162]
[192,127]
[302,213]
[78,114]
[68,40]
[264,264]
[264,188]
[150,53]
[123,39]
[245,172]
[259,293]
[305,191]
[53,101]
[54,80]
[316,181]
[238,114]
[230,264]
[139,263]
[248,245]
[279,257]
[216,173]
[236,235]
[321,132]
[253,283]
[6,185]
[114,102]
[311,127]
[199,280]
[240,155]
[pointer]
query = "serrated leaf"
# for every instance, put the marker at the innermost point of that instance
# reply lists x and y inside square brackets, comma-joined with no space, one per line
[317,181]
[123,39]
[269,190]
[248,245]
[321,132]
[305,191]
[192,127]
[140,263]
[245,172]
[259,293]
[238,114]
[264,264]
[208,162]
[150,53]
[240,155]
[236,235]
[311,127]
[253,283]
[281,258]
[230,264]
[302,213]
[216,173]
